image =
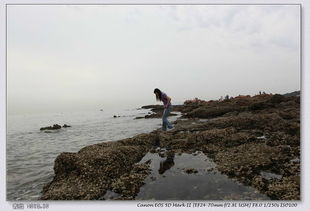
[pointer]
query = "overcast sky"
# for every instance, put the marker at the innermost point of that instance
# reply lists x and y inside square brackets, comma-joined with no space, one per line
[93,57]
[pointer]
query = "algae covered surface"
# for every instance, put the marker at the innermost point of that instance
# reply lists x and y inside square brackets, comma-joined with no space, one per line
[242,148]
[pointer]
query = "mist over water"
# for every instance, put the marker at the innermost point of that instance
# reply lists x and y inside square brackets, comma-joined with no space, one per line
[204,51]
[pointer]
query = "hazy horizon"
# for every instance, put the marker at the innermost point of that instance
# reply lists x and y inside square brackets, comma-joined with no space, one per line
[62,58]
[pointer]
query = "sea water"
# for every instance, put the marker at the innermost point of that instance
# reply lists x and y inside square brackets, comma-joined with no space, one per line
[30,153]
[30,156]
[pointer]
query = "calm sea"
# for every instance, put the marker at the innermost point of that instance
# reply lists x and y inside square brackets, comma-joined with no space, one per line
[31,152]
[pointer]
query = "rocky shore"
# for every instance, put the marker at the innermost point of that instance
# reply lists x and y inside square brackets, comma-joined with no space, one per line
[254,140]
[157,111]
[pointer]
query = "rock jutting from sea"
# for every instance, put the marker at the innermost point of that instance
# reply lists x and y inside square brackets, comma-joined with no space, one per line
[54,127]
[250,139]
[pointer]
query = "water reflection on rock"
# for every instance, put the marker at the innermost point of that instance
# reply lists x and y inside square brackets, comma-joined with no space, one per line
[172,182]
[167,164]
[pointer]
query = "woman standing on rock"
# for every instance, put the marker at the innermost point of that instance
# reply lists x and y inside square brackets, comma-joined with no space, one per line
[161,96]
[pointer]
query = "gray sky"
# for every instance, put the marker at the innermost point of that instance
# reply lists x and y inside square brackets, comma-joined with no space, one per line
[90,57]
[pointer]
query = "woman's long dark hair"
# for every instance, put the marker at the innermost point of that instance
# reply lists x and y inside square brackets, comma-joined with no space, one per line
[158,96]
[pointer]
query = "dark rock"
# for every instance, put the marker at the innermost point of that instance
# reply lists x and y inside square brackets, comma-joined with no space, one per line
[88,174]
[258,106]
[158,115]
[148,161]
[277,98]
[296,93]
[152,107]
[211,112]
[66,125]
[128,184]
[191,171]
[157,111]
[54,127]
[287,188]
[139,117]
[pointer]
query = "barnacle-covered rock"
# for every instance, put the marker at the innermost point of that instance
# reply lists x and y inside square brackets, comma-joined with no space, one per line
[244,136]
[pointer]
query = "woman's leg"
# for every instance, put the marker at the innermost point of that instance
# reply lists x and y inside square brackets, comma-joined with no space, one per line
[166,123]
[165,114]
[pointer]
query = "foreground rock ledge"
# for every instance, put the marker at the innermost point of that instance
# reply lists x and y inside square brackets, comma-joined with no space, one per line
[245,137]
[89,173]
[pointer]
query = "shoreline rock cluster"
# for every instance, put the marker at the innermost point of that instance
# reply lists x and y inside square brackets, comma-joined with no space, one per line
[157,111]
[247,137]
[54,127]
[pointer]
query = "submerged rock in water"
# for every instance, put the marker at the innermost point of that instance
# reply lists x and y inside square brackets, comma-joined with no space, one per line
[65,125]
[191,171]
[54,127]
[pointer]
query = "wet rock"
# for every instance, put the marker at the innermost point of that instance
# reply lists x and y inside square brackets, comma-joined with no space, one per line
[260,183]
[139,117]
[232,113]
[128,185]
[54,127]
[261,137]
[157,111]
[258,106]
[148,161]
[210,169]
[296,160]
[196,153]
[287,188]
[155,107]
[244,136]
[110,195]
[211,112]
[247,156]
[191,171]
[162,154]
[88,174]
[66,126]
[285,148]
[270,175]
[158,115]
[277,98]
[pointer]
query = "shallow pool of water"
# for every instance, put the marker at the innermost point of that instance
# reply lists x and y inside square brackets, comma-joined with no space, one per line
[191,177]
